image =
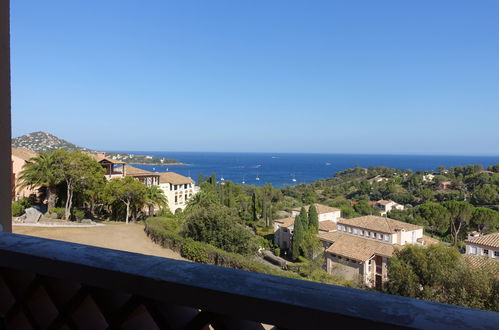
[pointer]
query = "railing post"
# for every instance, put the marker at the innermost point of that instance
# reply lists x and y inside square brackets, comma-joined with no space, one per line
[5,125]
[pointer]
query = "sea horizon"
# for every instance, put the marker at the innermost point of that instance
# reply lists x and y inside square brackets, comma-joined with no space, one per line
[281,169]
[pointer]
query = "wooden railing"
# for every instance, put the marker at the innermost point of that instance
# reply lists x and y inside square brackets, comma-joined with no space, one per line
[47,284]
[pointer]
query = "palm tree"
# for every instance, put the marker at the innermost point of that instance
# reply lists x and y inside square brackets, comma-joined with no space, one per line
[41,171]
[155,197]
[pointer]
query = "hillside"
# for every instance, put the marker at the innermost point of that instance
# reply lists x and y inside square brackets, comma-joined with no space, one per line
[43,141]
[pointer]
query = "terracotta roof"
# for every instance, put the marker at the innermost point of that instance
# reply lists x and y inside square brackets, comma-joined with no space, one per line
[100,158]
[384,202]
[134,171]
[321,209]
[427,240]
[357,248]
[491,240]
[482,262]
[327,226]
[381,224]
[23,153]
[286,222]
[173,178]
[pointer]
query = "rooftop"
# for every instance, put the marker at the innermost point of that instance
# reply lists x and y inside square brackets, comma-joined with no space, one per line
[321,209]
[286,222]
[327,226]
[134,171]
[380,224]
[491,240]
[354,247]
[174,178]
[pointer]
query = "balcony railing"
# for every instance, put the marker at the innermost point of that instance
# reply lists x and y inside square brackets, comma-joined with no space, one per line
[52,284]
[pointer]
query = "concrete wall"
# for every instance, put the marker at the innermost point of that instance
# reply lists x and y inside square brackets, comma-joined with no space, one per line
[5,126]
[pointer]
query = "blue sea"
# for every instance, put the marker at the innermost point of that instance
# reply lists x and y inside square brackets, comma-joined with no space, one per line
[280,169]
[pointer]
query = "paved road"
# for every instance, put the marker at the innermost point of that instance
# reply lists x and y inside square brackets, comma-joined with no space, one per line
[119,236]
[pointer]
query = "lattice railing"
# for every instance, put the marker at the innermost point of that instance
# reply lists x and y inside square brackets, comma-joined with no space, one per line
[47,284]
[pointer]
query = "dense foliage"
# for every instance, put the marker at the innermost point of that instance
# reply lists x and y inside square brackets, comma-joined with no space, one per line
[441,274]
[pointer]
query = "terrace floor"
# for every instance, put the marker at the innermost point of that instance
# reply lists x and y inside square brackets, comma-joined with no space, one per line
[119,236]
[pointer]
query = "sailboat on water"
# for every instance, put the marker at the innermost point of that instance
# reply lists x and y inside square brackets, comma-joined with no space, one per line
[257,177]
[294,178]
[243,180]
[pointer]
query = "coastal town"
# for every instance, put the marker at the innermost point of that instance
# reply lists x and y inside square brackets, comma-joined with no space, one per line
[350,242]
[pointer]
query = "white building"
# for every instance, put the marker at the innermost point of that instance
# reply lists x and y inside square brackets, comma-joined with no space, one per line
[361,247]
[387,206]
[178,189]
[483,245]
[283,228]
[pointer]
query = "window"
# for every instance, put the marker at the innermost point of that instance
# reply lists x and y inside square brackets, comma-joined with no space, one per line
[473,250]
[496,254]
[380,236]
[486,252]
[386,237]
[349,229]
[373,235]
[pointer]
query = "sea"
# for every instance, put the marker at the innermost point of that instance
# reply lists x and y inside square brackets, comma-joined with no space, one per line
[281,169]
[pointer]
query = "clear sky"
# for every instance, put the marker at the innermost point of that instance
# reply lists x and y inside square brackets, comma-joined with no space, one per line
[419,76]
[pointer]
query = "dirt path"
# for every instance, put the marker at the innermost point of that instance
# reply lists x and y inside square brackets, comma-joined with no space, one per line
[118,236]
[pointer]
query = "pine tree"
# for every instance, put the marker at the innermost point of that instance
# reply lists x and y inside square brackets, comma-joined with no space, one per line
[313,217]
[304,218]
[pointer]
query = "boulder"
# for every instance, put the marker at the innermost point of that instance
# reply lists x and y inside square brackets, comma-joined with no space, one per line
[53,215]
[87,221]
[32,215]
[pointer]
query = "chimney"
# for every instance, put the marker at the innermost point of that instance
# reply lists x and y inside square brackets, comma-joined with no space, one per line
[101,154]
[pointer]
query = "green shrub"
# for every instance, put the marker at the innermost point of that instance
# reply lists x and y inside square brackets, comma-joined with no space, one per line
[17,210]
[277,252]
[59,211]
[194,251]
[78,215]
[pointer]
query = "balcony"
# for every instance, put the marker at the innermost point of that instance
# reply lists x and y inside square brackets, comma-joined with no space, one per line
[52,284]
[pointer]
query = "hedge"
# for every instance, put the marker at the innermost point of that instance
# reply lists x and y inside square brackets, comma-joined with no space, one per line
[160,231]
[164,231]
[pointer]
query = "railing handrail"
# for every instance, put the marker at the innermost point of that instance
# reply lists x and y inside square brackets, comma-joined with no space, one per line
[284,302]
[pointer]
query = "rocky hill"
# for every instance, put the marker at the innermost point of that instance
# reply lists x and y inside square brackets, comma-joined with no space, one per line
[43,141]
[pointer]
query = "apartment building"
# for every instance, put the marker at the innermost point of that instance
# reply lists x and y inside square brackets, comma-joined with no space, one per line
[178,189]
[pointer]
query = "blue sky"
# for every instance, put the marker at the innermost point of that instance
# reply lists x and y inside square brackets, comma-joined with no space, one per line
[389,77]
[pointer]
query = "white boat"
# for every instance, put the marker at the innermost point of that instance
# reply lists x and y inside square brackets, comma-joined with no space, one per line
[293,179]
[257,177]
[243,180]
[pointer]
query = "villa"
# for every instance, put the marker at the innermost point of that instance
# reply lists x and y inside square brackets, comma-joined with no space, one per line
[178,189]
[283,228]
[483,245]
[146,177]
[387,206]
[113,168]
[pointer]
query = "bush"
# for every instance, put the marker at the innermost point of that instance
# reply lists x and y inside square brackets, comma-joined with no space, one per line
[59,211]
[78,215]
[17,210]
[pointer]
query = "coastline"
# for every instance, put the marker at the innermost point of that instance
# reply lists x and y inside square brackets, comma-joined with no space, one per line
[158,164]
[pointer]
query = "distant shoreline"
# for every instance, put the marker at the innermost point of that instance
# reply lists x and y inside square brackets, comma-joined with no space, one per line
[157,164]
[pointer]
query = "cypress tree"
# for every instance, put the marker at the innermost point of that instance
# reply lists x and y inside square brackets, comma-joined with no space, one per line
[313,217]
[213,179]
[254,205]
[200,178]
[304,218]
[298,235]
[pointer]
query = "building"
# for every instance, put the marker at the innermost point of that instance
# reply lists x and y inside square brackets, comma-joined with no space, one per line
[325,212]
[360,248]
[178,189]
[483,245]
[146,177]
[386,206]
[444,185]
[20,156]
[283,228]
[113,168]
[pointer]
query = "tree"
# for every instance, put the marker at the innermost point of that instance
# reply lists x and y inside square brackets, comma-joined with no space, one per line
[485,220]
[460,215]
[313,217]
[304,218]
[253,206]
[298,236]
[128,191]
[218,226]
[155,197]
[311,246]
[435,217]
[41,171]
[78,171]
[440,274]
[485,195]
